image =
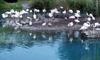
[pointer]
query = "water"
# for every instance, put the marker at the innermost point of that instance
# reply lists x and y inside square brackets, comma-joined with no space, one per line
[16,45]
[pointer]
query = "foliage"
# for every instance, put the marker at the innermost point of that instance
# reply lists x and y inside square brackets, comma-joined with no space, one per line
[5,5]
[41,4]
[83,5]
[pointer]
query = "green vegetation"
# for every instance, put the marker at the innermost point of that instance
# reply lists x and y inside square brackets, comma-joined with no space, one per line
[83,5]
[5,5]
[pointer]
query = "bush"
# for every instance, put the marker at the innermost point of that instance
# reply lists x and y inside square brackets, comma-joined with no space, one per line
[41,4]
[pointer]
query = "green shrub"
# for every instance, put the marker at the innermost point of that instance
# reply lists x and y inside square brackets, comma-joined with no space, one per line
[41,4]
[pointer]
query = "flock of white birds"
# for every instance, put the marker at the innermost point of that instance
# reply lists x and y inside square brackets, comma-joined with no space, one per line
[67,15]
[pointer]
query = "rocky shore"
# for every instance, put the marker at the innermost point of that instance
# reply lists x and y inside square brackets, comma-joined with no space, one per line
[55,20]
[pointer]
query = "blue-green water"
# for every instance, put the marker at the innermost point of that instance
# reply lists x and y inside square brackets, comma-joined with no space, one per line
[15,45]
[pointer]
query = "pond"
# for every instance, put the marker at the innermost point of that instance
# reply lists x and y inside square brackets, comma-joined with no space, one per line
[22,45]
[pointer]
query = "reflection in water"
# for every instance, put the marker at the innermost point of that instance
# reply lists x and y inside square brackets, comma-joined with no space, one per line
[46,46]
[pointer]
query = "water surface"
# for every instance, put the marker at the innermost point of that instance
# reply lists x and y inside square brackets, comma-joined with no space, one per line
[16,45]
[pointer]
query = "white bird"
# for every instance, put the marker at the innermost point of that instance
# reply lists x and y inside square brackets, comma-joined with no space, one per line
[93,18]
[91,15]
[96,24]
[97,29]
[34,16]
[8,12]
[70,11]
[4,15]
[44,10]
[18,24]
[78,11]
[56,10]
[31,11]
[89,19]
[12,11]
[70,24]
[20,16]
[72,17]
[29,18]
[30,22]
[36,10]
[23,12]
[64,12]
[44,24]
[61,7]
[76,20]
[27,10]
[85,26]
[50,14]
[49,23]
[77,15]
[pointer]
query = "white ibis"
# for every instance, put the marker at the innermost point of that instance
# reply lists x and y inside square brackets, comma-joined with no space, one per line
[27,10]
[85,26]
[89,19]
[35,10]
[12,11]
[31,11]
[44,24]
[50,15]
[70,11]
[93,18]
[34,16]
[4,15]
[64,12]
[56,10]
[61,7]
[96,24]
[30,23]
[77,15]
[97,29]
[49,23]
[70,24]
[72,17]
[7,12]
[78,11]
[77,20]
[91,15]
[23,12]
[44,10]
[20,16]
